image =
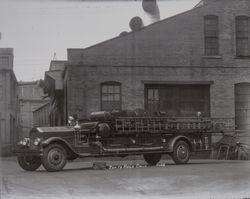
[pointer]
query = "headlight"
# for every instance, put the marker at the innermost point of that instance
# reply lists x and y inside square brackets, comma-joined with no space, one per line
[37,141]
[24,142]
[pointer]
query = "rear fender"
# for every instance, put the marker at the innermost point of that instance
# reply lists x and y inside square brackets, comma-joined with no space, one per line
[64,143]
[175,139]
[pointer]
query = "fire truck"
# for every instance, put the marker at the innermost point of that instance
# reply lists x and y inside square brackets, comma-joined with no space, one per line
[116,133]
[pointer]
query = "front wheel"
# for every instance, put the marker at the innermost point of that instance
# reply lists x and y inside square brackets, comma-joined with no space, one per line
[54,157]
[181,153]
[29,163]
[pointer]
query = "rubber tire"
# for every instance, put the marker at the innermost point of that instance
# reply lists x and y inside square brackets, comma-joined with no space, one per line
[175,156]
[29,163]
[152,158]
[58,149]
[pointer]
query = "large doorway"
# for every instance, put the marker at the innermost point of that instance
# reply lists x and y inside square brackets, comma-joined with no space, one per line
[178,100]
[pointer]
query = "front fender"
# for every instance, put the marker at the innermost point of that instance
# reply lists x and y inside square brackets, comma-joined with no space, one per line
[59,140]
[175,139]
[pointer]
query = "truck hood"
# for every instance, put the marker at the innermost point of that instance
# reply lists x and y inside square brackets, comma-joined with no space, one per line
[55,129]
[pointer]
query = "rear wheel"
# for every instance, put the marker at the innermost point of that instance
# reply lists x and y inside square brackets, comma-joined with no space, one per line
[181,153]
[54,157]
[29,163]
[152,158]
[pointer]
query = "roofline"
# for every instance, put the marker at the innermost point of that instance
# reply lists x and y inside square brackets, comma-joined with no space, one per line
[134,32]
[32,100]
[52,71]
[27,82]
[199,4]
[57,61]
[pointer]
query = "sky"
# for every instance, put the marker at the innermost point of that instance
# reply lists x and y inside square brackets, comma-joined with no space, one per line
[37,29]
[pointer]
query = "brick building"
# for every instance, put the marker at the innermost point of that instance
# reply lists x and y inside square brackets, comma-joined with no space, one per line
[9,107]
[198,60]
[30,98]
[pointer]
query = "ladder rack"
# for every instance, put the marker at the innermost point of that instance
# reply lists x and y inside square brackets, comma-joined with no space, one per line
[160,124]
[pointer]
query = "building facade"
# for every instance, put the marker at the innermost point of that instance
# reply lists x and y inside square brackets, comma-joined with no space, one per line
[41,115]
[53,88]
[31,97]
[197,61]
[9,106]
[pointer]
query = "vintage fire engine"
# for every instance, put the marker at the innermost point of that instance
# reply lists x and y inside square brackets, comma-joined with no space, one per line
[115,134]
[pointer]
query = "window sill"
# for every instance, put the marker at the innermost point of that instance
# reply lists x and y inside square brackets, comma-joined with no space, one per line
[242,57]
[212,57]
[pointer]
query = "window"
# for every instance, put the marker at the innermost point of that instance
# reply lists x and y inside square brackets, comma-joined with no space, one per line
[153,100]
[178,100]
[242,36]
[110,96]
[211,35]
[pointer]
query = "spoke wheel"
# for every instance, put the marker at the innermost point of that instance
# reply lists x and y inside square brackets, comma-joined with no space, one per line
[29,163]
[152,158]
[181,153]
[54,157]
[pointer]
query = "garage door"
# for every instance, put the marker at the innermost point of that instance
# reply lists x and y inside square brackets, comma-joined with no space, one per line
[178,100]
[242,106]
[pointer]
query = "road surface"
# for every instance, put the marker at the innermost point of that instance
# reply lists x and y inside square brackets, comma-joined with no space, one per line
[198,179]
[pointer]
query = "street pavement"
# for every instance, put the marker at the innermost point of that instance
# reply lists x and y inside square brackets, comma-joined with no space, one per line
[128,179]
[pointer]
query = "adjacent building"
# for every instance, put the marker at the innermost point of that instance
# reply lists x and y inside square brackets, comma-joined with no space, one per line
[53,87]
[31,97]
[196,61]
[41,115]
[9,106]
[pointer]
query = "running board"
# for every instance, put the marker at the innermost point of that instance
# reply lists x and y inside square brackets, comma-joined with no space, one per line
[132,149]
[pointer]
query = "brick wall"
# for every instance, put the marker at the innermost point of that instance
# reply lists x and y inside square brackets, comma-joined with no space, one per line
[87,80]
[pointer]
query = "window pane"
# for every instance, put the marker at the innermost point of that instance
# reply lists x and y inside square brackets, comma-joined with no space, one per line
[242,34]
[150,94]
[110,97]
[153,94]
[242,47]
[110,89]
[156,94]
[104,89]
[211,46]
[211,33]
[242,24]
[116,105]
[211,26]
[117,97]
[104,97]
[116,89]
